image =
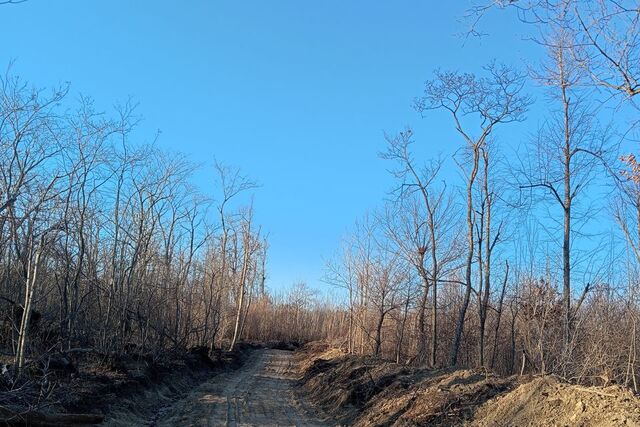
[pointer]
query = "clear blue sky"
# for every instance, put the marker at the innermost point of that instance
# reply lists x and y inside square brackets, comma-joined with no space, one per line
[296,93]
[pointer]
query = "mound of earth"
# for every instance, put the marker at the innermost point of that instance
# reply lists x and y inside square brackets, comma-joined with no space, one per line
[545,401]
[364,391]
[129,388]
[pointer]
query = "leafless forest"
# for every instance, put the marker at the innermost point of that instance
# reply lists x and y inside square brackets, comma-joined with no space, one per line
[502,271]
[107,248]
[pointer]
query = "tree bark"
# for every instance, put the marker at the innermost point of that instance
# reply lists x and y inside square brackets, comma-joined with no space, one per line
[455,347]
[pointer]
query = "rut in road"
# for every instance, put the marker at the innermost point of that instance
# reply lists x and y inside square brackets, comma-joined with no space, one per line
[261,393]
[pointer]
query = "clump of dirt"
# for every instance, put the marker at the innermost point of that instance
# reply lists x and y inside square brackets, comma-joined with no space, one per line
[546,401]
[363,391]
[344,385]
[440,397]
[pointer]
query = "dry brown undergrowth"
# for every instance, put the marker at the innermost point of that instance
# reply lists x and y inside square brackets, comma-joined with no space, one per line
[363,391]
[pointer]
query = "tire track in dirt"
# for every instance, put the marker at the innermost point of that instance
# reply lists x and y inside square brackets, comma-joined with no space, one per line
[261,393]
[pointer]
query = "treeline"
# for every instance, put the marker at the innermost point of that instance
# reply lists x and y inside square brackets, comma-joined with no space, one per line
[296,315]
[107,246]
[529,261]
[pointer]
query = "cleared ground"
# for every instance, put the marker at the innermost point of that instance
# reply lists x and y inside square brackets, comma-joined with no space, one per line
[261,393]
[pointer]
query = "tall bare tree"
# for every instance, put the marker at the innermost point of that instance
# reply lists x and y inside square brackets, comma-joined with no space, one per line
[569,150]
[491,101]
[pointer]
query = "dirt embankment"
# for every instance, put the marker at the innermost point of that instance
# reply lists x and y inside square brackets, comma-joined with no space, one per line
[130,389]
[362,391]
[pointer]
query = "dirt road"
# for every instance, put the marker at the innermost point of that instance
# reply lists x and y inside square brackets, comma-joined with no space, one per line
[261,393]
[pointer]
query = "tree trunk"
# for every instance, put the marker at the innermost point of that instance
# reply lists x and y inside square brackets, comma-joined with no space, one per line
[223,266]
[489,245]
[566,241]
[455,347]
[499,315]
[26,313]
[402,326]
[434,284]
[243,289]
[378,339]
[421,352]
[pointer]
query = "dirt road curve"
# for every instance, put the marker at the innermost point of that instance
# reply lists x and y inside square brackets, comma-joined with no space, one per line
[261,393]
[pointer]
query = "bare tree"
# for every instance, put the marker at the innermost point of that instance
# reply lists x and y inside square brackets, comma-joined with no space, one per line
[604,35]
[31,136]
[492,100]
[233,183]
[420,227]
[250,247]
[568,151]
[341,272]
[487,239]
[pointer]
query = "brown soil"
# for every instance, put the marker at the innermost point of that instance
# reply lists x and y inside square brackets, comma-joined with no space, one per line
[362,391]
[549,402]
[261,393]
